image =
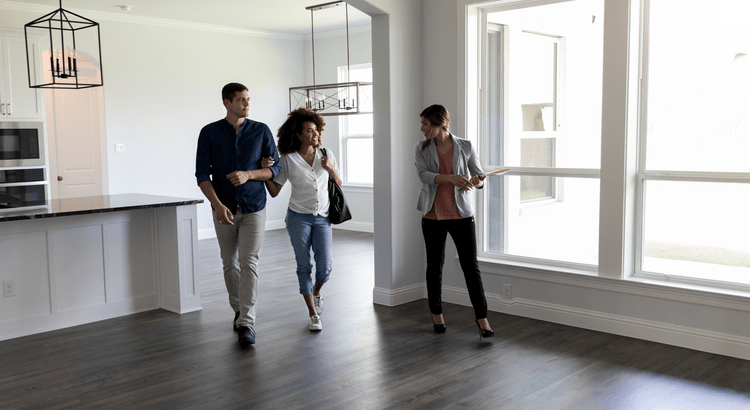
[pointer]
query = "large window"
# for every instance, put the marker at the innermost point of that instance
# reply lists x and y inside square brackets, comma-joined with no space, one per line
[694,171]
[676,127]
[356,133]
[541,116]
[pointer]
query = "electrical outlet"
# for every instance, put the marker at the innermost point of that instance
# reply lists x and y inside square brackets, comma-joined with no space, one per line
[8,289]
[507,294]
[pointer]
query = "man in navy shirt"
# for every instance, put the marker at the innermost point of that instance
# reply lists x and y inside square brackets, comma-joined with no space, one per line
[229,172]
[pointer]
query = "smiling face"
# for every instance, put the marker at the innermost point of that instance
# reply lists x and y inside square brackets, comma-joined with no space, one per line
[429,130]
[309,135]
[240,104]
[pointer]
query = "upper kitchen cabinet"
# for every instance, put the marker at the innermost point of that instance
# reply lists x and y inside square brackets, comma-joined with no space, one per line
[17,100]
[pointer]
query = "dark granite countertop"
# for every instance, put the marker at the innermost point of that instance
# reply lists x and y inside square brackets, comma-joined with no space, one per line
[93,205]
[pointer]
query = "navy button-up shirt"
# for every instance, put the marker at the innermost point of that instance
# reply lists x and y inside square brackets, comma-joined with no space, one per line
[221,152]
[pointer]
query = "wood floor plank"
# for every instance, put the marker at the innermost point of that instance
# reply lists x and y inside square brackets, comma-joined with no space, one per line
[367,356]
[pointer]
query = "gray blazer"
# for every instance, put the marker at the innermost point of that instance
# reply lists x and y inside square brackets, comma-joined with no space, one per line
[465,161]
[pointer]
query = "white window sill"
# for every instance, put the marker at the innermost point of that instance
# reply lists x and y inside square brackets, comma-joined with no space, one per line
[357,188]
[716,294]
[682,282]
[494,264]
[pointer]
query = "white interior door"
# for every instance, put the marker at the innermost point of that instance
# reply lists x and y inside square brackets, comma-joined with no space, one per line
[75,134]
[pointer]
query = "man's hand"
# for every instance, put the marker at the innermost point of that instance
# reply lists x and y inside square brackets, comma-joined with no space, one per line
[223,214]
[238,178]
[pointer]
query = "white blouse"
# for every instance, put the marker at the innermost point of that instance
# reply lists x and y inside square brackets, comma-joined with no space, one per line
[309,183]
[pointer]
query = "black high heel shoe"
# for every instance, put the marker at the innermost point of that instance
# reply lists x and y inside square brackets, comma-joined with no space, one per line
[439,328]
[484,332]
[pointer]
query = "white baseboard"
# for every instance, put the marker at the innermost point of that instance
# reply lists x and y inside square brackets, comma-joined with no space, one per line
[356,226]
[44,323]
[209,233]
[206,233]
[399,296]
[682,336]
[274,225]
[675,335]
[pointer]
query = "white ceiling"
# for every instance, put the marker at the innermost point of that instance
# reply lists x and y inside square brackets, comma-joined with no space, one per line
[285,16]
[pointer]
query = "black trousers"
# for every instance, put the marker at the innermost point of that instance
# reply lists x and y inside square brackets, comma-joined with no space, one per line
[463,232]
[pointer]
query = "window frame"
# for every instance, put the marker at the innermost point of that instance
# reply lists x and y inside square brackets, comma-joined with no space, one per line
[621,172]
[644,175]
[482,143]
[556,187]
[345,136]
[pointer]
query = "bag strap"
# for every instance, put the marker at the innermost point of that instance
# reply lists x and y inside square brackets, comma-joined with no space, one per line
[330,177]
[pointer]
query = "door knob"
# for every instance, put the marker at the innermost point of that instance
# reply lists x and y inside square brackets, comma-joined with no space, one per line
[59,178]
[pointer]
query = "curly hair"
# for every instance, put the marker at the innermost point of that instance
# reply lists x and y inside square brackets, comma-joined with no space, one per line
[292,127]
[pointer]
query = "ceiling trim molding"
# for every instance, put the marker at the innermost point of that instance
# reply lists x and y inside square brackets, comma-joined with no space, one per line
[365,28]
[151,21]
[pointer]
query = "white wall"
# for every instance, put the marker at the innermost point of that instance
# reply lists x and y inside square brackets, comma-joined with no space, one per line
[165,85]
[158,107]
[162,84]
[330,53]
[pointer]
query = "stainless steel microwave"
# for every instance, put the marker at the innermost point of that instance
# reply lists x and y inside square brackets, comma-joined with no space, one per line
[21,144]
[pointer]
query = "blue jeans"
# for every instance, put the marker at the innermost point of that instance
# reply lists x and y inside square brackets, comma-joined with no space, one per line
[308,231]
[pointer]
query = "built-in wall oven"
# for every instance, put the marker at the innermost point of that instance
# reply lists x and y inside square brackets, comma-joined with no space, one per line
[23,179]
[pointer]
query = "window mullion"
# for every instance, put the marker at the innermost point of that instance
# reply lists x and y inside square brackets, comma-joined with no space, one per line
[618,158]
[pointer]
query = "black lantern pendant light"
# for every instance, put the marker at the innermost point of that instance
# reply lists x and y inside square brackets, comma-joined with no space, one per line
[73,54]
[348,98]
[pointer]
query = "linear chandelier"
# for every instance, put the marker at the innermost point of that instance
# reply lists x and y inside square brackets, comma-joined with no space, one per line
[73,59]
[347,98]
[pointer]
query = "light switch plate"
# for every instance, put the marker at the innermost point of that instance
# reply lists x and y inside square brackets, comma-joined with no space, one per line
[119,148]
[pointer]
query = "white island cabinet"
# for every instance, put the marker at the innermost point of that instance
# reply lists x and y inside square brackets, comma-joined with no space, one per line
[80,260]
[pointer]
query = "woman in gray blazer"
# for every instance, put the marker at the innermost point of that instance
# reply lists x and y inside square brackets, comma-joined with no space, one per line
[449,168]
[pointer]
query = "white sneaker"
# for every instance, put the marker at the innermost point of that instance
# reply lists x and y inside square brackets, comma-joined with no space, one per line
[318,302]
[315,323]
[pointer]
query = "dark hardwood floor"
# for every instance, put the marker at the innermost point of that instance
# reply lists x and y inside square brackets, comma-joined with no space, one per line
[366,357]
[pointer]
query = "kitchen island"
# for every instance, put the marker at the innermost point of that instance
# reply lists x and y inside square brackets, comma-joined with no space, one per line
[79,260]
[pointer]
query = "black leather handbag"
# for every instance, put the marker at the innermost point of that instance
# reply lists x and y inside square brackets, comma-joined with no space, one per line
[338,210]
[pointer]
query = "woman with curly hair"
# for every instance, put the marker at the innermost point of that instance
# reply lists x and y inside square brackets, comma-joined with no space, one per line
[307,168]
